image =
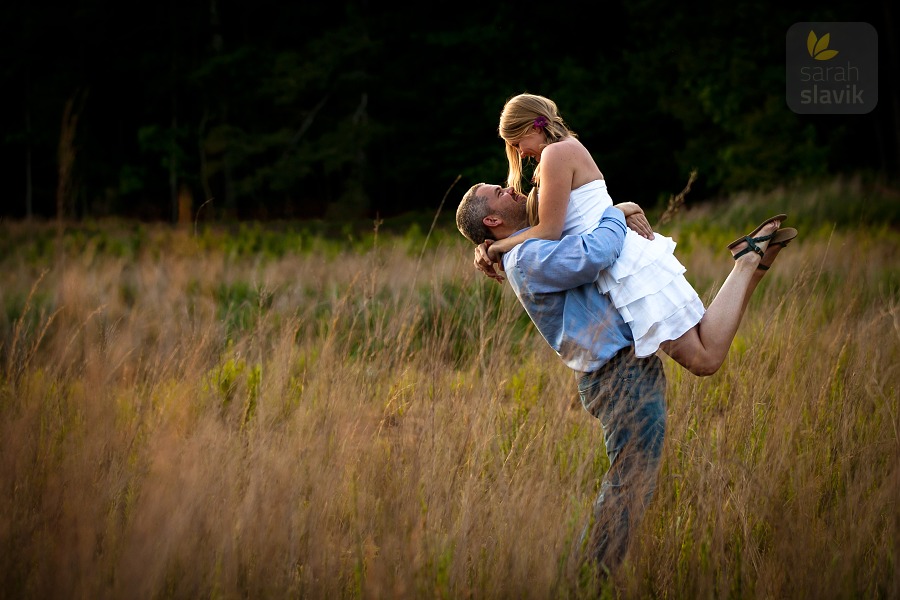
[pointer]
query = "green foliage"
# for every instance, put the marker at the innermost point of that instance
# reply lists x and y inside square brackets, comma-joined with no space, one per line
[240,304]
[374,112]
[223,379]
[455,318]
[234,379]
[814,204]
[254,379]
[26,310]
[729,106]
[526,394]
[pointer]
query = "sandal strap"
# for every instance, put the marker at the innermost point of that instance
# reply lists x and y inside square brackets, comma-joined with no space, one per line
[762,238]
[742,252]
[752,247]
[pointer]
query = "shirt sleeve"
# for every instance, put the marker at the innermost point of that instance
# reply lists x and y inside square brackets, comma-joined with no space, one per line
[556,265]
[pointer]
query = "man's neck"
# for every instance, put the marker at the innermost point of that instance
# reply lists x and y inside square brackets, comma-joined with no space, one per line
[510,231]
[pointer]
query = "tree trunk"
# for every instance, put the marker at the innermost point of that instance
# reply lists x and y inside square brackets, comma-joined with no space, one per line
[65,202]
[29,189]
[173,165]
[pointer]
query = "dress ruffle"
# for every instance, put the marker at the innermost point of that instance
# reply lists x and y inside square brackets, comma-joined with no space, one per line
[647,286]
[670,328]
[643,267]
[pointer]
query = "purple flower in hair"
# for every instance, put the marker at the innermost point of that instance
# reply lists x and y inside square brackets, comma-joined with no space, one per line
[540,122]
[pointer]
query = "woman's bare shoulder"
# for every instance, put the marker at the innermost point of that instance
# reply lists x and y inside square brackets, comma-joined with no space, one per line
[573,154]
[565,149]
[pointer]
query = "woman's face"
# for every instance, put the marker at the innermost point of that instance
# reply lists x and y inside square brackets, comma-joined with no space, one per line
[532,144]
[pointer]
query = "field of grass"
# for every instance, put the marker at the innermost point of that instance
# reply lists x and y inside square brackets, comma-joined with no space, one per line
[270,412]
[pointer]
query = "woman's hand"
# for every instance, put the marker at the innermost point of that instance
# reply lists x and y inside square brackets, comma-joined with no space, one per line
[485,259]
[639,224]
[635,219]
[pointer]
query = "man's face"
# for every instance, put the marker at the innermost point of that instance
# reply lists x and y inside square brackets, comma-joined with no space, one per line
[506,203]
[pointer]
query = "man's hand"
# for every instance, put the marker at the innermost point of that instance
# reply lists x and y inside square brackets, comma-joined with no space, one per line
[485,259]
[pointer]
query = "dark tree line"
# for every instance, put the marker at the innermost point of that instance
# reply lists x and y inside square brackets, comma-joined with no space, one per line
[276,109]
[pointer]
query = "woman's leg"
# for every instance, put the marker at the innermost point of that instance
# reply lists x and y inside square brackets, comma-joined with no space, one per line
[703,348]
[781,239]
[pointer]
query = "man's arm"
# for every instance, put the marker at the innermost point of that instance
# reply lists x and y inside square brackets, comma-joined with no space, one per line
[552,266]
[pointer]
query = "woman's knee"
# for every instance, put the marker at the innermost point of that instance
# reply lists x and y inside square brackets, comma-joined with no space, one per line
[703,366]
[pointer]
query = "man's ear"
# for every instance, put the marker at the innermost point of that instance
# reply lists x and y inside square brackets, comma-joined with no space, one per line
[492,221]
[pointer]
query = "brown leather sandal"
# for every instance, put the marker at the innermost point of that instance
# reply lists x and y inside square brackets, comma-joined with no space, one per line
[752,241]
[781,238]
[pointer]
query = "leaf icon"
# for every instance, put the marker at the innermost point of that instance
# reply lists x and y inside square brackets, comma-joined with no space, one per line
[811,43]
[818,47]
[826,55]
[822,44]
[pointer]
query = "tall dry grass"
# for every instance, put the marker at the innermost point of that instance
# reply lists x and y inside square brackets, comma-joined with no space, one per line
[185,421]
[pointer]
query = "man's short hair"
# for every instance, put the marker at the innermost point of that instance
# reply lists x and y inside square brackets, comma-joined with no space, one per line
[470,216]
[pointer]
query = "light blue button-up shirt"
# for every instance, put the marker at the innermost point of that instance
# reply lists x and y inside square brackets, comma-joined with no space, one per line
[556,283]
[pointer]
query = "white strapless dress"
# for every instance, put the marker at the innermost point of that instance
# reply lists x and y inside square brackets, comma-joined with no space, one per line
[646,283]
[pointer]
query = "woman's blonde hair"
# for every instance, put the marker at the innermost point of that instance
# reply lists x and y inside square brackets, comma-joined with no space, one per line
[519,116]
